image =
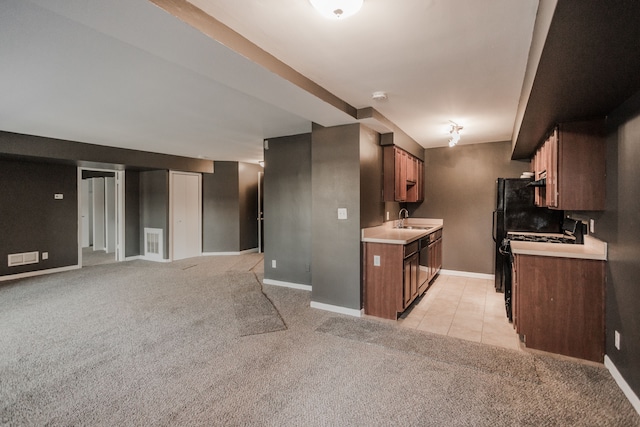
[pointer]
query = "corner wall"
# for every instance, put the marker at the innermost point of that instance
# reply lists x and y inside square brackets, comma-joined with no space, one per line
[32,220]
[220,225]
[460,188]
[154,205]
[132,213]
[287,209]
[335,183]
[619,226]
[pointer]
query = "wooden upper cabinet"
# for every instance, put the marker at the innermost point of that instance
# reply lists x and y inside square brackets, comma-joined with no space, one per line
[403,176]
[573,162]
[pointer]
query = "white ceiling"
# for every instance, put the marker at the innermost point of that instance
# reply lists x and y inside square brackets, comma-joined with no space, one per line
[125,73]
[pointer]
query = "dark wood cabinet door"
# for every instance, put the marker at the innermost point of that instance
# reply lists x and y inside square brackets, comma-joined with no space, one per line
[560,305]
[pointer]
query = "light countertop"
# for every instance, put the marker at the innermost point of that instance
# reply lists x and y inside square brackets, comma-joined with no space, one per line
[387,233]
[591,249]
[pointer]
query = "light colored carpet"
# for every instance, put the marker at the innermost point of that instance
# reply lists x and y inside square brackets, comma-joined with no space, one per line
[141,343]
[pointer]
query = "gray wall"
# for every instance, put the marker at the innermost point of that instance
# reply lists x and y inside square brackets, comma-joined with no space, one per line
[248,204]
[32,220]
[287,209]
[97,156]
[154,204]
[620,228]
[460,188]
[132,213]
[371,206]
[335,182]
[220,207]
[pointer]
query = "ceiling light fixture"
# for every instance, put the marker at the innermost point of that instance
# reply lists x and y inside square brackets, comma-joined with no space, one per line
[379,96]
[454,133]
[337,9]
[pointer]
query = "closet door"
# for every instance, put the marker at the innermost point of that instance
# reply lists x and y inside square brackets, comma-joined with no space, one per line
[186,214]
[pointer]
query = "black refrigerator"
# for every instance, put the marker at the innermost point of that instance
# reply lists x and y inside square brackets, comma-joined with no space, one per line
[516,211]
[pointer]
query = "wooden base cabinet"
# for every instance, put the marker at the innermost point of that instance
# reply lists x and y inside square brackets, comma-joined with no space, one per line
[390,277]
[558,305]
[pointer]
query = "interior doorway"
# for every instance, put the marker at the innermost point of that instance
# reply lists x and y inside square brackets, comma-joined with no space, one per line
[101,216]
[185,215]
[260,212]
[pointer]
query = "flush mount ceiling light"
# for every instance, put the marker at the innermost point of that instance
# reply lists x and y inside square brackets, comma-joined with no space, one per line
[379,96]
[337,9]
[454,133]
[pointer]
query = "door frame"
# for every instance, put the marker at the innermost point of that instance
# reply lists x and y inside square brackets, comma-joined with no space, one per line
[260,211]
[120,197]
[172,173]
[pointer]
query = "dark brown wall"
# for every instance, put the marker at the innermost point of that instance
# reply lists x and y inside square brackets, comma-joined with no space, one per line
[619,226]
[460,188]
[32,220]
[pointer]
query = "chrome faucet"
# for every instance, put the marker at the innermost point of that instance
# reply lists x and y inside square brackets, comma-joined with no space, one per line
[406,215]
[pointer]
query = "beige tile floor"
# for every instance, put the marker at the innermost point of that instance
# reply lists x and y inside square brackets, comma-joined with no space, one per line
[463,307]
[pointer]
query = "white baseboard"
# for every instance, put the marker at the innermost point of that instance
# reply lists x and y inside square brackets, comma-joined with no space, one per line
[152,259]
[246,251]
[337,309]
[631,396]
[287,284]
[38,273]
[467,274]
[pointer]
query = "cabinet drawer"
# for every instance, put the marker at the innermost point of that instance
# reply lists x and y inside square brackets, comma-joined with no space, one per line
[410,249]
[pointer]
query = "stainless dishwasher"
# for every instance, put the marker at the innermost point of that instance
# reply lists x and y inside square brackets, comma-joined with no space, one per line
[423,270]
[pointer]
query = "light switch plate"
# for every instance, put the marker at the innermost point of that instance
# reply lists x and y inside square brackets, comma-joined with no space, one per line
[342,213]
[376,260]
[58,196]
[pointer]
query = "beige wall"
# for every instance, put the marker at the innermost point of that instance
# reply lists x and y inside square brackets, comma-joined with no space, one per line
[460,189]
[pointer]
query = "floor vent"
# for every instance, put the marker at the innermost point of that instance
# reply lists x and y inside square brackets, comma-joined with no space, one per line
[153,243]
[23,258]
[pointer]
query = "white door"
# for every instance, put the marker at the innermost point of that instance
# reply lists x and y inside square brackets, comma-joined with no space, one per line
[84,200]
[110,214]
[98,214]
[186,214]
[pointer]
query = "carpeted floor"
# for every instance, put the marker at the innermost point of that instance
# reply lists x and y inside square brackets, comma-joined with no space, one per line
[196,342]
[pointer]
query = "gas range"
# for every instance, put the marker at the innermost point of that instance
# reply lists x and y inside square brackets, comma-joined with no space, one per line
[541,237]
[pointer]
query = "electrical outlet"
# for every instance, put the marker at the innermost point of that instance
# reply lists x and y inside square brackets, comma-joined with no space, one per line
[58,196]
[273,263]
[376,260]
[592,226]
[387,216]
[617,340]
[342,213]
[45,255]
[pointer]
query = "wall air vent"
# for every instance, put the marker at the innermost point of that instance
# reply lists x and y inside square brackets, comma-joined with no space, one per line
[24,258]
[153,244]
